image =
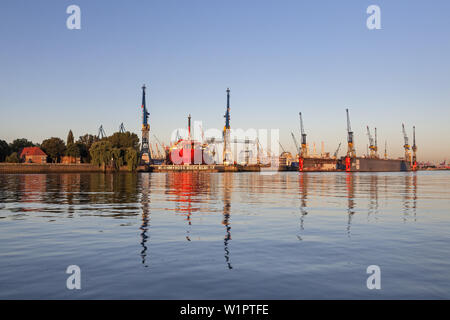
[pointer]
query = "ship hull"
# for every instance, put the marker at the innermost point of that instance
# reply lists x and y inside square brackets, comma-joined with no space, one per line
[374,165]
[317,164]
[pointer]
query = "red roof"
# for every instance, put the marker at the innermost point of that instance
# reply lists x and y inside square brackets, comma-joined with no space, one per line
[32,151]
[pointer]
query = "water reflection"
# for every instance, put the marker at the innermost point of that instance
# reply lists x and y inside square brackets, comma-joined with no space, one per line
[128,196]
[185,189]
[410,197]
[350,183]
[227,192]
[303,182]
[145,202]
[373,198]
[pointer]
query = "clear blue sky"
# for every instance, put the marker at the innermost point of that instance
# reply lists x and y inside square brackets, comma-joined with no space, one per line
[278,58]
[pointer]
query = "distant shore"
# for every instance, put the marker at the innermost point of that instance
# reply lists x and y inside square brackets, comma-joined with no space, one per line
[48,168]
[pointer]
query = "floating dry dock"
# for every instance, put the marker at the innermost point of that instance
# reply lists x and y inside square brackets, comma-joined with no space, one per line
[200,167]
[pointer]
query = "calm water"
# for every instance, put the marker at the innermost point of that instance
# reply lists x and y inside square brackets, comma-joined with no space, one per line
[225,236]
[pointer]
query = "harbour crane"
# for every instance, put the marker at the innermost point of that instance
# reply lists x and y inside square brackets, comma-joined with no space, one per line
[101,133]
[372,147]
[414,149]
[406,146]
[304,150]
[376,143]
[337,151]
[351,148]
[296,144]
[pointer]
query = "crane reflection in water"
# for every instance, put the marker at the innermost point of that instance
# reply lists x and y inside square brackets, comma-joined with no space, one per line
[227,192]
[145,202]
[303,184]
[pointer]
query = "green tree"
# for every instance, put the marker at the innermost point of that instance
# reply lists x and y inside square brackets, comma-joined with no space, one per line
[18,144]
[73,150]
[124,140]
[131,158]
[13,158]
[54,148]
[70,139]
[84,144]
[101,153]
[118,158]
[5,150]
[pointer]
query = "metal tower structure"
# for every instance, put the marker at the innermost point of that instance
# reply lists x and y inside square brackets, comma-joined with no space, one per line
[145,155]
[414,150]
[304,150]
[101,133]
[406,146]
[227,155]
[351,147]
[372,144]
[122,128]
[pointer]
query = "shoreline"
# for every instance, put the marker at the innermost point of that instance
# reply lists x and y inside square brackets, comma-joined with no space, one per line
[11,168]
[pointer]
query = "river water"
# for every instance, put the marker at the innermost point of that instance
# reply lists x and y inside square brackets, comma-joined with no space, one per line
[225,235]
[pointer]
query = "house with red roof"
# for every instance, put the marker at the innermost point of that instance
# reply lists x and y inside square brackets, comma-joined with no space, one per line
[33,155]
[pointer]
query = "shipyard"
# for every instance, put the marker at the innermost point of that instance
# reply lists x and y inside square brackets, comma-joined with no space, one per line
[230,151]
[203,154]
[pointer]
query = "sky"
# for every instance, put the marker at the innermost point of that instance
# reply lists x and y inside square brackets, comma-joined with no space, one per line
[277,57]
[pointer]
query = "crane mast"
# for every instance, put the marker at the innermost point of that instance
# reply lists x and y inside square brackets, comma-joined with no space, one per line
[376,143]
[304,150]
[406,146]
[372,143]
[414,149]
[351,148]
[227,155]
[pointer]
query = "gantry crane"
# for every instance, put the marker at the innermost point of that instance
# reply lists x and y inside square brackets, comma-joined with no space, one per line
[351,147]
[304,149]
[406,146]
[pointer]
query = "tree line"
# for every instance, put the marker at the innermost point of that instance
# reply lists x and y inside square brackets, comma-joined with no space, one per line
[120,149]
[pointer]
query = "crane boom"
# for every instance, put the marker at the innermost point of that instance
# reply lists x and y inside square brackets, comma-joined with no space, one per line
[337,150]
[296,143]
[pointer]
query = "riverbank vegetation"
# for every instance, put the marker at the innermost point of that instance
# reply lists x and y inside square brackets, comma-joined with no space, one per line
[118,150]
